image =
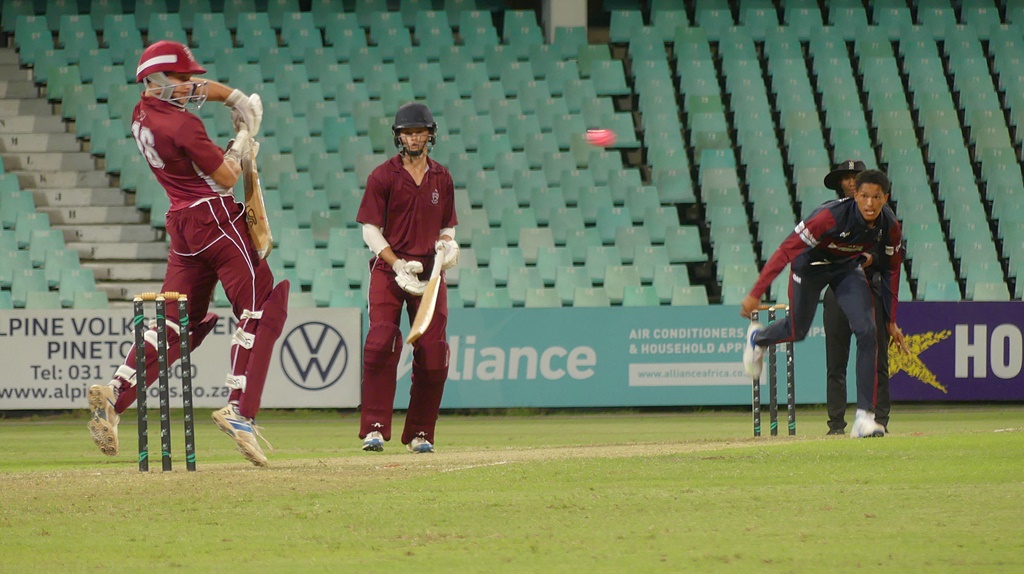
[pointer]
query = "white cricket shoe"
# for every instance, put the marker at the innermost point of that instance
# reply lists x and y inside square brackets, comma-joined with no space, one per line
[753,355]
[864,425]
[374,442]
[103,422]
[419,445]
[244,431]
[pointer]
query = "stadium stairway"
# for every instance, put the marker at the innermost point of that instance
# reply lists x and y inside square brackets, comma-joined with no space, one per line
[99,221]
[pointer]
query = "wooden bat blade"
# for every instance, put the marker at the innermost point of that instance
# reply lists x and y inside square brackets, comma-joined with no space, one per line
[425,313]
[255,210]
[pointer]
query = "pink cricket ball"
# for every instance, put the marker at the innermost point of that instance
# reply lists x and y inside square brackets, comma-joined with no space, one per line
[601,138]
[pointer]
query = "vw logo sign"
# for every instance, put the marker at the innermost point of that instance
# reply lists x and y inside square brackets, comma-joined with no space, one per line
[314,356]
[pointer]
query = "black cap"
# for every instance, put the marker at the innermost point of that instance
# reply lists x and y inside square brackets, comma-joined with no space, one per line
[850,166]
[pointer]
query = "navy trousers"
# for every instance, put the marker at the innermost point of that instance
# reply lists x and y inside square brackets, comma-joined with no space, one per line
[853,293]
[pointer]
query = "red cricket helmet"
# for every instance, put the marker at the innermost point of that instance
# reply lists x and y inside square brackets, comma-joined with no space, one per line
[167,56]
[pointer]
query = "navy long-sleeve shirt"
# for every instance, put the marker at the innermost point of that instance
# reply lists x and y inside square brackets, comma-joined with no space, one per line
[836,233]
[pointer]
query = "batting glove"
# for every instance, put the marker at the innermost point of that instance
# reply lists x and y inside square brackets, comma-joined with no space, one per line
[406,276]
[237,146]
[246,111]
[451,253]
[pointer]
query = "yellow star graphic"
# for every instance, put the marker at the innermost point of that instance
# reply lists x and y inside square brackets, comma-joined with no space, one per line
[911,363]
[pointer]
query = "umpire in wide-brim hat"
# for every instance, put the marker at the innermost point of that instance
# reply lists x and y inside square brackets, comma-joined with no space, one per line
[835,177]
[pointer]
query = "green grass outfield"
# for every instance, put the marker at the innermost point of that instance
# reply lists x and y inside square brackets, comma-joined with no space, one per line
[607,492]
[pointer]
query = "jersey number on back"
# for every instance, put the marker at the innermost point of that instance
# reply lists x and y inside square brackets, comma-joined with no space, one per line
[144,139]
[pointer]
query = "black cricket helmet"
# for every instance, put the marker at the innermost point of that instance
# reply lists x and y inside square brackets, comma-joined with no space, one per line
[414,115]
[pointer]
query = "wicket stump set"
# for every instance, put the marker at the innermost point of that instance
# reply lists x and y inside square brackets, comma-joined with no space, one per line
[139,324]
[773,381]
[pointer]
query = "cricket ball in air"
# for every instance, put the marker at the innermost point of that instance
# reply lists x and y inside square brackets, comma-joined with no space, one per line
[601,138]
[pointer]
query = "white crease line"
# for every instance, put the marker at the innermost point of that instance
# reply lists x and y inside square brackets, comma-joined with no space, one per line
[500,462]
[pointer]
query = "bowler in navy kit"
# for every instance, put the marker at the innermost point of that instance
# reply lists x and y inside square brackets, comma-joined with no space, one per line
[831,248]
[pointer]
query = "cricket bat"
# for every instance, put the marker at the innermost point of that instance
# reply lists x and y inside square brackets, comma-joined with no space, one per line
[426,311]
[255,210]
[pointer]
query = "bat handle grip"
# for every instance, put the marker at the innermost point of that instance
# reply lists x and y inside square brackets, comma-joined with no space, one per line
[438,262]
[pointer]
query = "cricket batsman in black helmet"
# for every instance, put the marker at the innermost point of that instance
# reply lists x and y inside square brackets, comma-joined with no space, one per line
[408,216]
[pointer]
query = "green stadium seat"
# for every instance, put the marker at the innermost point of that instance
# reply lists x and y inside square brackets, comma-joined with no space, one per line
[345,298]
[73,280]
[76,99]
[624,24]
[568,41]
[995,291]
[12,9]
[340,239]
[342,32]
[27,222]
[532,240]
[630,240]
[561,220]
[325,282]
[591,199]
[467,260]
[940,291]
[893,20]
[610,221]
[849,21]
[32,37]
[550,260]
[90,300]
[542,298]
[674,186]
[395,45]
[41,241]
[660,221]
[591,297]
[484,240]
[515,219]
[502,260]
[76,35]
[647,259]
[24,281]
[163,26]
[42,300]
[667,278]
[640,296]
[473,282]
[301,300]
[683,296]
[11,262]
[14,203]
[497,298]
[454,297]
[521,31]
[189,10]
[520,281]
[464,12]
[665,22]
[356,266]
[714,21]
[617,278]
[609,78]
[579,240]
[683,245]
[599,257]
[803,20]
